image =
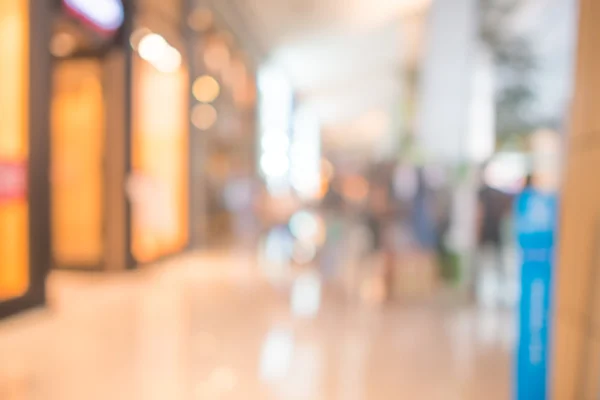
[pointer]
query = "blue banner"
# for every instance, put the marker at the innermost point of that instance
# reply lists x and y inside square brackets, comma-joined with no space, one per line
[536,216]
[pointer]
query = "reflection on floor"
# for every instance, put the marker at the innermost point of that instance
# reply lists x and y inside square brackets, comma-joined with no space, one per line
[208,327]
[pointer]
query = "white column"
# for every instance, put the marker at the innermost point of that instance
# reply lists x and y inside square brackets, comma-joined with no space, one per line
[445,90]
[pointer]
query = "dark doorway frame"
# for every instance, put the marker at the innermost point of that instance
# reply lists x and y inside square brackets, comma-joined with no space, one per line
[40,12]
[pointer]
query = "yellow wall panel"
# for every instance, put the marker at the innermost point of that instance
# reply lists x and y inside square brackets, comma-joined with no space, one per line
[159,186]
[14,111]
[78,133]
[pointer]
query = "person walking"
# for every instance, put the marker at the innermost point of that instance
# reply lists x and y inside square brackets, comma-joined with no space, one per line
[493,208]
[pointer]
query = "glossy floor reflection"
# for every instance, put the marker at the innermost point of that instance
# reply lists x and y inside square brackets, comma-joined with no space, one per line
[209,327]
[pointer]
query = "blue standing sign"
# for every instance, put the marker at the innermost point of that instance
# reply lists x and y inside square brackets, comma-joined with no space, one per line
[536,217]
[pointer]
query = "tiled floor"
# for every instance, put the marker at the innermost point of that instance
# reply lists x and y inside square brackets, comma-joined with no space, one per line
[208,327]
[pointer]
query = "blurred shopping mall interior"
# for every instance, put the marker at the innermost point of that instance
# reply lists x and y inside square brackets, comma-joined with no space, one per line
[299,199]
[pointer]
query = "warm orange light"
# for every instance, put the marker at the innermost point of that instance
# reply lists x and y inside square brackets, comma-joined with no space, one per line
[235,74]
[227,37]
[204,116]
[160,146]
[323,190]
[14,114]
[245,95]
[355,188]
[201,19]
[77,163]
[63,44]
[206,89]
[216,55]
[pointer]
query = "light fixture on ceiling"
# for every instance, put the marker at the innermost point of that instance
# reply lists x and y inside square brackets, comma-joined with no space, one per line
[157,51]
[275,119]
[105,15]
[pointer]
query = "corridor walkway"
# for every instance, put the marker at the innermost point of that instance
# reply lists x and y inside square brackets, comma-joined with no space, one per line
[209,327]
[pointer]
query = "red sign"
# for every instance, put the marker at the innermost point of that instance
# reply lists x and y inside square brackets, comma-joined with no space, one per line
[13,181]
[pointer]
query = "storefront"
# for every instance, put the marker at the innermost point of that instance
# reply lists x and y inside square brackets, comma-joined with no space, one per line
[89,134]
[223,126]
[120,130]
[24,225]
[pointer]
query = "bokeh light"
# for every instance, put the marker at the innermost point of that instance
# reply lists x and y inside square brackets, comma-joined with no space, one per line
[63,44]
[158,52]
[204,116]
[355,188]
[206,89]
[216,55]
[201,19]
[137,36]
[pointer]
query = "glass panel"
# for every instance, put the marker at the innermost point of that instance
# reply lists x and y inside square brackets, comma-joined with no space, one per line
[159,185]
[77,163]
[14,84]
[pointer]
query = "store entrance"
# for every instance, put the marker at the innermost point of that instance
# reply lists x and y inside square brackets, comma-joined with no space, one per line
[88,144]
[78,148]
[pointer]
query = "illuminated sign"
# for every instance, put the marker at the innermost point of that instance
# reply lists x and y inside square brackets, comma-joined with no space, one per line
[104,15]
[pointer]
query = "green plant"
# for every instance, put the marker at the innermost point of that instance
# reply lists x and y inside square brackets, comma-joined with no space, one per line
[450,266]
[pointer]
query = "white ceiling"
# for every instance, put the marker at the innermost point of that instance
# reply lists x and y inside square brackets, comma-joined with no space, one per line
[342,74]
[343,57]
[273,23]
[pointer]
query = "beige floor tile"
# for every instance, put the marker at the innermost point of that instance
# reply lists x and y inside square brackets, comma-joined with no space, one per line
[208,327]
